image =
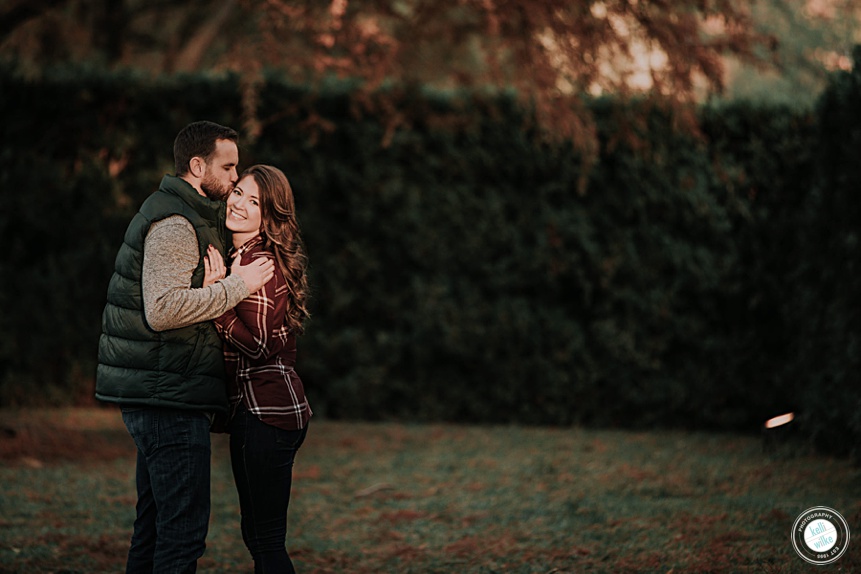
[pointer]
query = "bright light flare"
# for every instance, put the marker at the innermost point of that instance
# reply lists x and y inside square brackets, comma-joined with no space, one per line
[779,421]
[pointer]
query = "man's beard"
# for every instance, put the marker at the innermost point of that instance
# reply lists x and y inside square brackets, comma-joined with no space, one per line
[214,190]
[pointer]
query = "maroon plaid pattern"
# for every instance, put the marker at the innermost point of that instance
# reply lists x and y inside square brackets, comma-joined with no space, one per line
[260,352]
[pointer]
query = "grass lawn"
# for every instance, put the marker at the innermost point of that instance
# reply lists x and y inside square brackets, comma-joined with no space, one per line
[392,498]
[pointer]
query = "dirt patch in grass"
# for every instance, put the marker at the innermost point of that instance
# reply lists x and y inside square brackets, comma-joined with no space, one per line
[37,437]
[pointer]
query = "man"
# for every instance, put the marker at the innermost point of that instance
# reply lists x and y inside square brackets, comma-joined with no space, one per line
[160,358]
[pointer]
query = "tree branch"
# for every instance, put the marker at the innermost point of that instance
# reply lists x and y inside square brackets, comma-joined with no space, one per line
[24,11]
[195,49]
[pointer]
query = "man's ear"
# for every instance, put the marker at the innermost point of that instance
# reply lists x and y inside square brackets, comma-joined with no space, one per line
[197,167]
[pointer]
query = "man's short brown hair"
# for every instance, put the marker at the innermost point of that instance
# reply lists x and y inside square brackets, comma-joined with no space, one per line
[197,139]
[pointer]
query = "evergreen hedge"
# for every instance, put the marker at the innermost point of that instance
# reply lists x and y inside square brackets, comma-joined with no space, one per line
[458,272]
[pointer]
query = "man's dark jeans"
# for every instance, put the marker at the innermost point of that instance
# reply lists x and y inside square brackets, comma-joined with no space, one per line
[173,489]
[262,457]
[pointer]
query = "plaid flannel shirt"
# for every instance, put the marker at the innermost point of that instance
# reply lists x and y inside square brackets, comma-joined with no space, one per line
[260,352]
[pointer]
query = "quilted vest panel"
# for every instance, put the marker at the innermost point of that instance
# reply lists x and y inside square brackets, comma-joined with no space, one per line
[177,368]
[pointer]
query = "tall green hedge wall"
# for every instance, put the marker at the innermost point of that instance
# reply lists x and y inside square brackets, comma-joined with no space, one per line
[460,272]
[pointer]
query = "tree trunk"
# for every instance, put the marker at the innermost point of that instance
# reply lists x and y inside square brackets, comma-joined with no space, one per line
[110,30]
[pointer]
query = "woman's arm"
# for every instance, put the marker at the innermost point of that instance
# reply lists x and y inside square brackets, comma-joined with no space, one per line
[251,324]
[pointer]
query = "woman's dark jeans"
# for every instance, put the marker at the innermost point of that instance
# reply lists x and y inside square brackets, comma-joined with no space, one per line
[262,457]
[173,489]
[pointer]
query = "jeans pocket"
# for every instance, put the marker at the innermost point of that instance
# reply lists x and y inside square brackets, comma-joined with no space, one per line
[138,423]
[290,439]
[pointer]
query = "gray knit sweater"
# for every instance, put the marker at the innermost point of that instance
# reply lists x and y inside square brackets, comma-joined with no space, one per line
[170,258]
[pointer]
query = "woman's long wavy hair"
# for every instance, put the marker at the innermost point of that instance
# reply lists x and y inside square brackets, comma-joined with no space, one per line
[279,229]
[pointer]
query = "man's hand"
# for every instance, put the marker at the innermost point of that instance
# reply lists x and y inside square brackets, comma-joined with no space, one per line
[213,265]
[256,274]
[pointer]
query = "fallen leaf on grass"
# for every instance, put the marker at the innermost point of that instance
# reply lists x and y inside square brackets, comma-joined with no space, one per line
[309,472]
[373,489]
[31,462]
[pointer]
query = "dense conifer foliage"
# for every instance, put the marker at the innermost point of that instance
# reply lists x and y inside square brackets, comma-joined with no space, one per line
[470,270]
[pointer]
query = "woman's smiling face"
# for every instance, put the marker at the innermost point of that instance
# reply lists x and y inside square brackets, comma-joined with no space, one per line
[243,209]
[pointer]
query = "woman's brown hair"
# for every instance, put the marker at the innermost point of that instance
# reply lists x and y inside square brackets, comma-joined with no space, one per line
[279,229]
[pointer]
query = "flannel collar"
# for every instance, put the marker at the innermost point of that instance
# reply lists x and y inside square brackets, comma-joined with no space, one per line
[245,247]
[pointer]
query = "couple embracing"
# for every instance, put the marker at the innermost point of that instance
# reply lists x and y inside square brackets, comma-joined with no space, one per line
[188,347]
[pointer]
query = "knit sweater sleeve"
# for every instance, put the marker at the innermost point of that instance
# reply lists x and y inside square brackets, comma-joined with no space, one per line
[170,257]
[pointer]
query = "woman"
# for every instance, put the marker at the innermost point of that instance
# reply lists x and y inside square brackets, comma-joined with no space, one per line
[269,411]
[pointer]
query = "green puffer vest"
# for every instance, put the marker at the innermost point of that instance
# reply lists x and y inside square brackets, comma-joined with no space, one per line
[177,368]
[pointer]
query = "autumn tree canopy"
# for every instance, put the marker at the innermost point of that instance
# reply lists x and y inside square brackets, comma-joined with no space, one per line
[548,52]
